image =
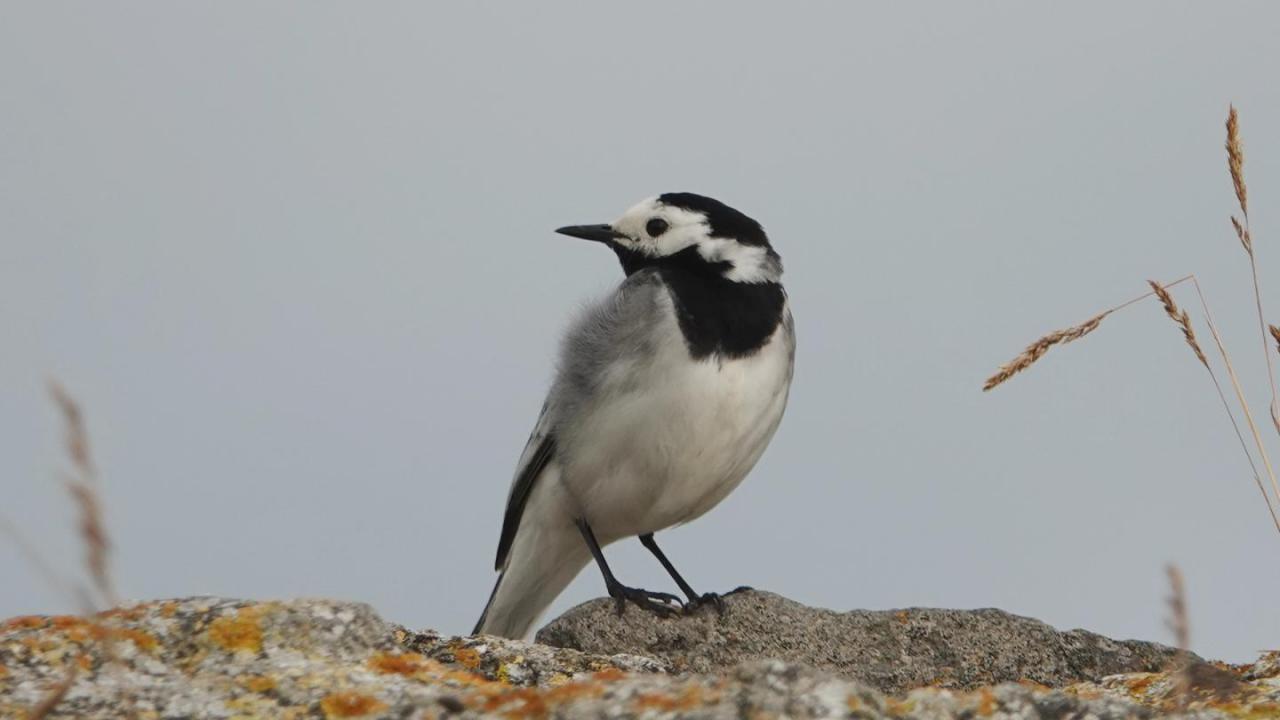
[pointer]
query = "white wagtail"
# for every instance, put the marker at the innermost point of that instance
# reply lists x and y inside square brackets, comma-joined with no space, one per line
[666,395]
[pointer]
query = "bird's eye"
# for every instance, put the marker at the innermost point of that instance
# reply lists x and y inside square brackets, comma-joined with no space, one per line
[656,227]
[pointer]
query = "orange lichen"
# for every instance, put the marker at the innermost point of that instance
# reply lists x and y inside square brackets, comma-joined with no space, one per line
[24,622]
[609,673]
[690,698]
[987,704]
[1033,685]
[168,609]
[240,631]
[467,657]
[133,613]
[350,704]
[258,683]
[901,616]
[518,703]
[143,640]
[1141,683]
[899,707]
[83,633]
[573,691]
[402,664]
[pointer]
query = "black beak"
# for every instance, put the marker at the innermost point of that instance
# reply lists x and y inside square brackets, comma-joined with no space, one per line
[598,233]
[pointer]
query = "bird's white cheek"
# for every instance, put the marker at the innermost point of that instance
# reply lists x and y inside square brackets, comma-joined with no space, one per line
[671,243]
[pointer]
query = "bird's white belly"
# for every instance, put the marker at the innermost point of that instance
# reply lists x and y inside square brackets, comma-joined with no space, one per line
[672,438]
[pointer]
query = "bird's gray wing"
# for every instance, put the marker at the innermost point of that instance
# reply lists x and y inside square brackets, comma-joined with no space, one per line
[537,453]
[621,323]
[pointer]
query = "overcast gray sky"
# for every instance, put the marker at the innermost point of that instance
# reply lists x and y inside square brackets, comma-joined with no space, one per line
[296,261]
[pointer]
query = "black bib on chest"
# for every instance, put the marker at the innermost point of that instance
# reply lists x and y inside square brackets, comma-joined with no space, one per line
[717,316]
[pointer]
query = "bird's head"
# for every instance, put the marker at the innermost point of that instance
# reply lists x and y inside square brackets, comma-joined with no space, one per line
[690,230]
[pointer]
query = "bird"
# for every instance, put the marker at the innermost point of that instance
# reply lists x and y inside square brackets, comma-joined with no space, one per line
[666,393]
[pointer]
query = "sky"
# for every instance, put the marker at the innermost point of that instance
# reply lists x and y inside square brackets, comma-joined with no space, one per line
[295,260]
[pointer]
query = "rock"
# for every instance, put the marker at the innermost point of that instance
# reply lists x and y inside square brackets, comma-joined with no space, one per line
[213,658]
[209,657]
[890,650]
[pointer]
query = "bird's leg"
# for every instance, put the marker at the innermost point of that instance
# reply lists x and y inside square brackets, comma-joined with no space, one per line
[658,603]
[695,600]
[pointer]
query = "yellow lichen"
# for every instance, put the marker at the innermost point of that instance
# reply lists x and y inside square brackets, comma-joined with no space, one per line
[258,683]
[350,704]
[240,631]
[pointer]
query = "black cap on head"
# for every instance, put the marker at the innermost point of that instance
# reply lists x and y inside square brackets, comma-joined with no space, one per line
[724,220]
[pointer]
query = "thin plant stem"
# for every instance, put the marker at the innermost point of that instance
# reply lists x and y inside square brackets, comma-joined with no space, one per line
[1244,405]
[1037,349]
[1262,328]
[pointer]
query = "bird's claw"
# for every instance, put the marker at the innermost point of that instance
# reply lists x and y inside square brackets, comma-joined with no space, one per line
[658,603]
[714,600]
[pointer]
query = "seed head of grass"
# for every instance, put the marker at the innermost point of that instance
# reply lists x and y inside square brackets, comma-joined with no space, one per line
[1242,232]
[1037,349]
[1235,159]
[1179,317]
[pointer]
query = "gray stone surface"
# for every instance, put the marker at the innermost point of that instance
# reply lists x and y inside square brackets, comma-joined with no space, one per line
[891,650]
[216,658]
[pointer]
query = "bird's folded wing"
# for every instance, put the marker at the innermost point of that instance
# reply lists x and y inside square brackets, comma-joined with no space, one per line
[537,453]
[602,336]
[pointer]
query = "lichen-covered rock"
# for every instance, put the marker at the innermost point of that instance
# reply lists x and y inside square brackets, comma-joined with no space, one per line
[891,650]
[211,658]
[206,657]
[1244,691]
[519,663]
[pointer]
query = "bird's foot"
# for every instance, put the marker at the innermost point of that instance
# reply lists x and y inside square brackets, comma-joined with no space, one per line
[659,603]
[714,600]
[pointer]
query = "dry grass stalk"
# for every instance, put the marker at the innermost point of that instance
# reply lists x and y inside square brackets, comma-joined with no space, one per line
[1037,349]
[1246,240]
[1179,624]
[81,483]
[1179,317]
[1235,160]
[1041,346]
[56,694]
[1235,163]
[1244,406]
[1177,621]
